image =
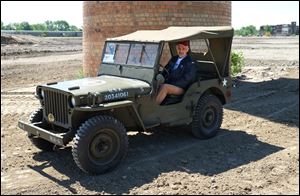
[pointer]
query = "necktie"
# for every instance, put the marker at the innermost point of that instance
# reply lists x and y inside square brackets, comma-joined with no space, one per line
[177,64]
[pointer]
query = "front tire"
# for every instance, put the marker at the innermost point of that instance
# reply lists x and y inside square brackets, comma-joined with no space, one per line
[208,117]
[37,116]
[100,144]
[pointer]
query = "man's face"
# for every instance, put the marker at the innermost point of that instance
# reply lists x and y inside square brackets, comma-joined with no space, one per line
[182,50]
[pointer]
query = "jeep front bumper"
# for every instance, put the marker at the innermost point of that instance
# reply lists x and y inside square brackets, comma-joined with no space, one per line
[55,138]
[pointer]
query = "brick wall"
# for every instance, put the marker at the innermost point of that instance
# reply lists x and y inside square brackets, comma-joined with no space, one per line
[102,19]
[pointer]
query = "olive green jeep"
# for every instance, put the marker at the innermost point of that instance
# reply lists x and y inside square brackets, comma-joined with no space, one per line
[96,113]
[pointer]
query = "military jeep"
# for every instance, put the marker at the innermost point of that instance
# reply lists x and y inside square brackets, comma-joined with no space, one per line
[95,113]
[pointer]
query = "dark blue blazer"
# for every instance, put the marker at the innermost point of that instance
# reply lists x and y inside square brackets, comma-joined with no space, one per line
[184,75]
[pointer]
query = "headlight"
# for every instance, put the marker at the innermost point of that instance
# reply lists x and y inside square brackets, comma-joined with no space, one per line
[73,101]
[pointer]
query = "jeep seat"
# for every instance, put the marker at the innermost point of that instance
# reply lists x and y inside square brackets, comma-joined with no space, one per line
[206,70]
[172,99]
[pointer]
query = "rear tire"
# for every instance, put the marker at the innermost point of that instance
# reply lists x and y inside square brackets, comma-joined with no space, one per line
[208,117]
[100,144]
[37,116]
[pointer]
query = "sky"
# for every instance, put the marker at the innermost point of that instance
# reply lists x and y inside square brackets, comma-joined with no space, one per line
[244,13]
[260,13]
[41,11]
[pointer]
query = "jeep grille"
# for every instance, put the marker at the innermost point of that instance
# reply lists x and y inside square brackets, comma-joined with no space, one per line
[56,104]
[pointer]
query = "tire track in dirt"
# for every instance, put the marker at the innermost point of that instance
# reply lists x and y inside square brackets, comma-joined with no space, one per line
[229,148]
[151,154]
[25,72]
[18,104]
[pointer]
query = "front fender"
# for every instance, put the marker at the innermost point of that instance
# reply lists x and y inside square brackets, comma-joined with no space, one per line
[124,110]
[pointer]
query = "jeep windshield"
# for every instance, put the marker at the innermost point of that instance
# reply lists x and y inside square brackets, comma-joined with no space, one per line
[133,54]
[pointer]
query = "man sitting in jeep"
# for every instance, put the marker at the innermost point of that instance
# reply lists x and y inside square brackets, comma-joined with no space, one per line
[179,73]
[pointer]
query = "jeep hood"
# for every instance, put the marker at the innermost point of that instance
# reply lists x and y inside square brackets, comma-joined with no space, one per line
[103,84]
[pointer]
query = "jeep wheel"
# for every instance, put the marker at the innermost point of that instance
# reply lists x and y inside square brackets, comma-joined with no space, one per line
[100,144]
[37,116]
[208,117]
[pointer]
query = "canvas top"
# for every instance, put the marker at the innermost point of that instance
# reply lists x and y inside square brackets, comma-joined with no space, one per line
[177,33]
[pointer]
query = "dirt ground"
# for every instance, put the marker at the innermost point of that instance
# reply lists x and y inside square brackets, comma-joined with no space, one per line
[256,151]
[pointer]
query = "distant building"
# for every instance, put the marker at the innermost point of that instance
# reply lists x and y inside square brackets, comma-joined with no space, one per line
[282,29]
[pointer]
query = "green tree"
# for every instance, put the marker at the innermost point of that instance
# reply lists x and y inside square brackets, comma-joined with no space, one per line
[10,26]
[61,25]
[23,26]
[73,28]
[267,30]
[247,31]
[39,27]
[50,25]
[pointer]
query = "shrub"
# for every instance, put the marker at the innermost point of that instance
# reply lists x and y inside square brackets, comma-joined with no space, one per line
[80,74]
[237,62]
[267,34]
[44,34]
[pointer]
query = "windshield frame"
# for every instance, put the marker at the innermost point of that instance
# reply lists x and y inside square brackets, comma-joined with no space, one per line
[156,60]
